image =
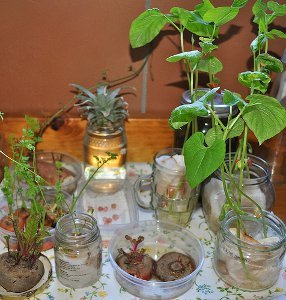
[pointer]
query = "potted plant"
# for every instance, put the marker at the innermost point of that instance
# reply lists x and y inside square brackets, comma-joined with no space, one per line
[105,111]
[199,59]
[205,153]
[23,269]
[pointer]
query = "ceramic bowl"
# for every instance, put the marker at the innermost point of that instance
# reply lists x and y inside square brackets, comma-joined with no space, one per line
[159,238]
[72,170]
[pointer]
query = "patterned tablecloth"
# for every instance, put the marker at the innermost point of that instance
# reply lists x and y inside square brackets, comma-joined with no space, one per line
[207,285]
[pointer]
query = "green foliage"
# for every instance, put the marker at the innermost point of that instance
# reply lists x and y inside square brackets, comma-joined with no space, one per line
[201,161]
[104,108]
[23,172]
[265,116]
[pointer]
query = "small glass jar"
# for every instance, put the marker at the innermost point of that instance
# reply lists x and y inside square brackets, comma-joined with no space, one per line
[258,187]
[262,256]
[96,143]
[78,250]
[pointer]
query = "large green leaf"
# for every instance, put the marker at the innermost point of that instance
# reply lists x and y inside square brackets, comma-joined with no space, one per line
[221,15]
[191,56]
[270,62]
[213,134]
[202,8]
[198,26]
[210,64]
[202,161]
[146,27]
[265,116]
[258,10]
[255,80]
[184,114]
[231,98]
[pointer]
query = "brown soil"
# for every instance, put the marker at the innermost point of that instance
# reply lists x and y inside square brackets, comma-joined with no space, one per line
[19,277]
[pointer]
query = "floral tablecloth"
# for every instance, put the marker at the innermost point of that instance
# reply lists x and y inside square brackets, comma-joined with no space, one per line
[207,285]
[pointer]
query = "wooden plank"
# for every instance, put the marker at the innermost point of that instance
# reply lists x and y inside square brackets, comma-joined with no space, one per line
[145,136]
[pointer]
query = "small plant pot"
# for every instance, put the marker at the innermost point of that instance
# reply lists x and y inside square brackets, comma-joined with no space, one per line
[252,262]
[21,280]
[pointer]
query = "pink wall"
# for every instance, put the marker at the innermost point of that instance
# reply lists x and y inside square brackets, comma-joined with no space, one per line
[47,44]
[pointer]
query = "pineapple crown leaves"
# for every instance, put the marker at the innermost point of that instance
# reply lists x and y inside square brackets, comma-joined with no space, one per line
[104,108]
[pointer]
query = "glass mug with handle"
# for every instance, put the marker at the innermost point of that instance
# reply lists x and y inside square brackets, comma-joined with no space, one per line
[166,190]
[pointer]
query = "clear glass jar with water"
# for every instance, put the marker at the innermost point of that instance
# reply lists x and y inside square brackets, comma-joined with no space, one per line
[78,250]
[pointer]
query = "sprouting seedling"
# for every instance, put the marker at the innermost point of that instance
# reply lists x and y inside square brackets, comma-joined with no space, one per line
[135,242]
[135,255]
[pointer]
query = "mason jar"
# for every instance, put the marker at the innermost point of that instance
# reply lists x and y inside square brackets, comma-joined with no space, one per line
[205,123]
[78,250]
[253,261]
[256,185]
[96,143]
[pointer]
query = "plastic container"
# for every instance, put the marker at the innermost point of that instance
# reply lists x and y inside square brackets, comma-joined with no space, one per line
[72,170]
[159,238]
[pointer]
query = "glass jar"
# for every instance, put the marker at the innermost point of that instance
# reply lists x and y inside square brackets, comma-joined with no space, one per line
[78,250]
[262,256]
[258,187]
[97,142]
[171,197]
[205,123]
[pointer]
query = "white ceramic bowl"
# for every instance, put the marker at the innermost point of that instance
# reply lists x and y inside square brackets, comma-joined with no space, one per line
[159,238]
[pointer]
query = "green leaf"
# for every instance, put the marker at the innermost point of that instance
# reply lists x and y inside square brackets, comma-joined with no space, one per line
[258,11]
[184,114]
[236,129]
[213,134]
[202,8]
[266,117]
[198,26]
[272,34]
[239,3]
[202,161]
[270,62]
[231,98]
[191,56]
[221,15]
[211,65]
[207,47]
[258,43]
[146,27]
[256,80]
[278,9]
